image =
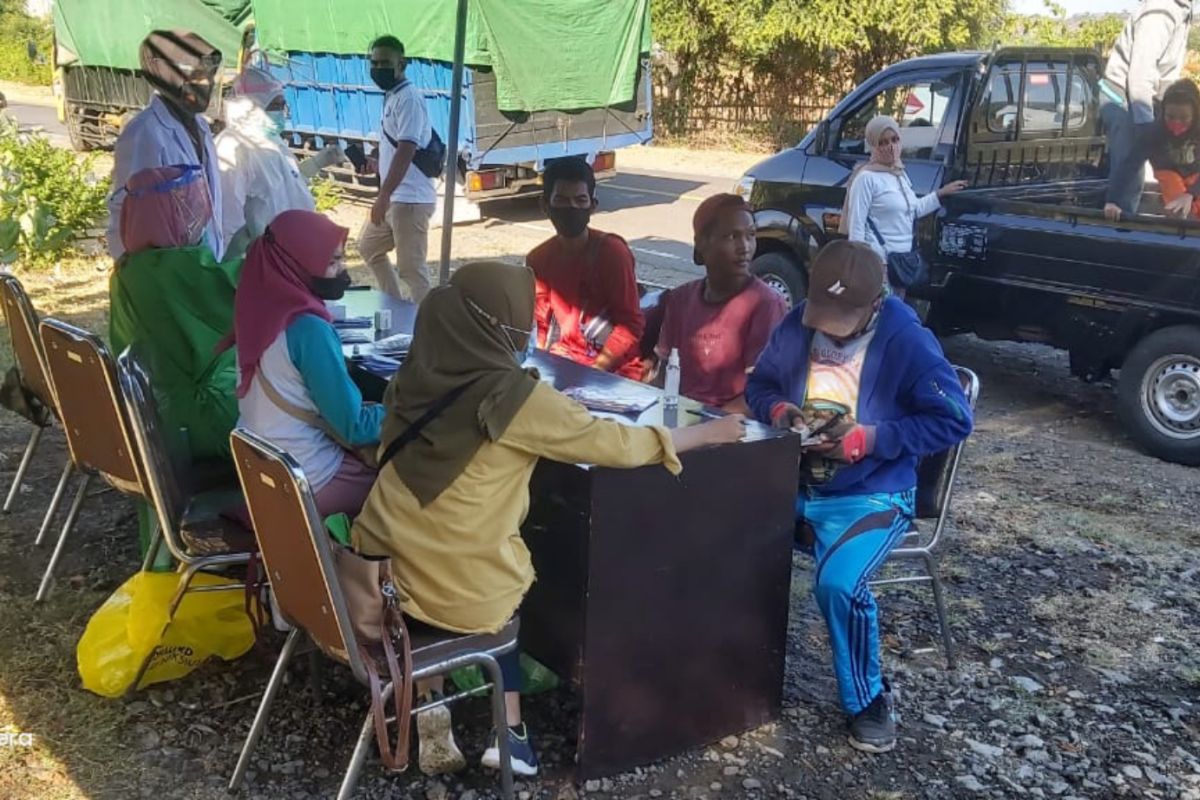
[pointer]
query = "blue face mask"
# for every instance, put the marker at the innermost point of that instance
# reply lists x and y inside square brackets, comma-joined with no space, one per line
[278,122]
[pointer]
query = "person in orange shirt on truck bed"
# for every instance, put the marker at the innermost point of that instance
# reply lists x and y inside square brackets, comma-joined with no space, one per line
[1175,148]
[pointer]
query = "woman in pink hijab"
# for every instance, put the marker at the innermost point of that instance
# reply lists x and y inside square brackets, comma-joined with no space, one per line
[172,302]
[294,388]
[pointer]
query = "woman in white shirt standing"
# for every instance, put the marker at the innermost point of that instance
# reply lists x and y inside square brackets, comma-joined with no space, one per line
[881,207]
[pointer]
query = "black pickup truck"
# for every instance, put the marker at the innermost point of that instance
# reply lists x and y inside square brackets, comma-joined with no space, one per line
[1025,254]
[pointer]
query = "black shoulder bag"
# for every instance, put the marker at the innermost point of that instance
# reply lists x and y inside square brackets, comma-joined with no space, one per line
[903,269]
[430,159]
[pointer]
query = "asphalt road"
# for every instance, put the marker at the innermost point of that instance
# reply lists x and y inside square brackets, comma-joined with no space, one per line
[652,210]
[42,119]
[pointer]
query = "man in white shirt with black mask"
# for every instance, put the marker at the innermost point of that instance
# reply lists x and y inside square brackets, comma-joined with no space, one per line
[401,213]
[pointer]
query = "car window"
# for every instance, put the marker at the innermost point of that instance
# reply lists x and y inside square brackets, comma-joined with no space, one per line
[1046,90]
[920,108]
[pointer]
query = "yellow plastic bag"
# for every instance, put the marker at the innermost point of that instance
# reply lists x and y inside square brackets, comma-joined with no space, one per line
[133,621]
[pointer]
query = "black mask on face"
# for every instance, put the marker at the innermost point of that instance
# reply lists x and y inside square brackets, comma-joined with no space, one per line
[194,97]
[384,77]
[331,288]
[570,222]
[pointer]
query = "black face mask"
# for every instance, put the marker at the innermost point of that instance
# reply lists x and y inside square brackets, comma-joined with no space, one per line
[196,98]
[384,77]
[570,222]
[331,288]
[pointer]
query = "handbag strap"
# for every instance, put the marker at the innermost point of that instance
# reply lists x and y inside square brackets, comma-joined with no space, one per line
[294,411]
[875,230]
[394,758]
[414,430]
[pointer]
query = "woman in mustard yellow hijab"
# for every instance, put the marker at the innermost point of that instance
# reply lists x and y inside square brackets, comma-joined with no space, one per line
[447,509]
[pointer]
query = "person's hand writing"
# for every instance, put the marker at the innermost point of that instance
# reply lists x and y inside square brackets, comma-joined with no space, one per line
[379,209]
[786,415]
[720,431]
[725,430]
[1112,212]
[1180,207]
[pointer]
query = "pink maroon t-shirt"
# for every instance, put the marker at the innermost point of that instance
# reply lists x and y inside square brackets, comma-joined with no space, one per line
[718,342]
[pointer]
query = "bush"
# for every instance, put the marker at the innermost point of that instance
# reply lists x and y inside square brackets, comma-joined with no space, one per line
[326,193]
[17,30]
[48,198]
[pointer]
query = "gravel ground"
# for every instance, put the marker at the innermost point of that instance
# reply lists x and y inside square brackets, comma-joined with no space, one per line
[1071,564]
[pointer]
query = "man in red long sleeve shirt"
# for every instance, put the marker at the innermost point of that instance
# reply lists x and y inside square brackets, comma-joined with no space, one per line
[587,306]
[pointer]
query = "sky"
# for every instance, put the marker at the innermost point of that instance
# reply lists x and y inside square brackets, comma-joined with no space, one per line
[1074,6]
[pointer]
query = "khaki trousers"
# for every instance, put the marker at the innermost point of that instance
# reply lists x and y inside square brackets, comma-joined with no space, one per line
[407,232]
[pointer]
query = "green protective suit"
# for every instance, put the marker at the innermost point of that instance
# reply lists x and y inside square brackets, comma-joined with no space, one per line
[176,305]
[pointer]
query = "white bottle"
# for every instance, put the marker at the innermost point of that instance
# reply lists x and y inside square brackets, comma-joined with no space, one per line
[671,388]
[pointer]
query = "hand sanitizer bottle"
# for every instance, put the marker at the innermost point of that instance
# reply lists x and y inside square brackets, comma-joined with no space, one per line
[671,388]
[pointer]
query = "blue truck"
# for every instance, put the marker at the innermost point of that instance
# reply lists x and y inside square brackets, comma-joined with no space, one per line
[332,100]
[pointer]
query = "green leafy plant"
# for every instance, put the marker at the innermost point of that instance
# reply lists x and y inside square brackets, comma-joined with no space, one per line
[17,31]
[48,198]
[326,193]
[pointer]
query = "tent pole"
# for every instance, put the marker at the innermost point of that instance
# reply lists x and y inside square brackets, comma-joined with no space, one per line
[452,146]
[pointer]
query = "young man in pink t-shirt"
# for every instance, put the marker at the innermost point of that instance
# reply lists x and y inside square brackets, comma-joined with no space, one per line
[720,323]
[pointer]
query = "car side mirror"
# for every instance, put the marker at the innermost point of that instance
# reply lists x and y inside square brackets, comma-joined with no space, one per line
[833,131]
[821,137]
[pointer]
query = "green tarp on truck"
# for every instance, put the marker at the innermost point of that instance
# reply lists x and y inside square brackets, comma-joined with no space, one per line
[109,34]
[546,54]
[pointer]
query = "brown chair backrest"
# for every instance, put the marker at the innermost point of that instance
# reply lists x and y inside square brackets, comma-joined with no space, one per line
[935,473]
[294,545]
[93,415]
[27,347]
[161,467]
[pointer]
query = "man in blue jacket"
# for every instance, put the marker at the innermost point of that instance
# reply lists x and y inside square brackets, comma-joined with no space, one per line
[851,346]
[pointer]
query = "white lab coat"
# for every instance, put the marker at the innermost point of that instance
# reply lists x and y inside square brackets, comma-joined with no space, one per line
[155,138]
[260,178]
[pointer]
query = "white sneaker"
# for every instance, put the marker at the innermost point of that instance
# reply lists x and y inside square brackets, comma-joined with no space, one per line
[437,752]
[521,752]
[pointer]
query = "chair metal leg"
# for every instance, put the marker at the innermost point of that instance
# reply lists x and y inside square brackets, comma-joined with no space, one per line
[185,580]
[316,665]
[72,515]
[26,457]
[357,758]
[152,550]
[931,566]
[48,520]
[264,707]
[500,720]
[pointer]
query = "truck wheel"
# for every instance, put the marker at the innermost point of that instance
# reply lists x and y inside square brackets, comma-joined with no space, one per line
[75,131]
[781,272]
[1159,394]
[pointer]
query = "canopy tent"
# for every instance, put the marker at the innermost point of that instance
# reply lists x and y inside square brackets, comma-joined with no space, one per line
[546,54]
[112,36]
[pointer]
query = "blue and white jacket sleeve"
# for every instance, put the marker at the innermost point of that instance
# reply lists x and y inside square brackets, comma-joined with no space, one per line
[316,351]
[936,412]
[774,374]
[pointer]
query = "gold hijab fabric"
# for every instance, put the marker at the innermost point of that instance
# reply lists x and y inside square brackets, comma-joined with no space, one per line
[470,333]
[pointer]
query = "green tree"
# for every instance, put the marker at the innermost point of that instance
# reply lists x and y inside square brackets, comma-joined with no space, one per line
[767,53]
[17,31]
[1055,29]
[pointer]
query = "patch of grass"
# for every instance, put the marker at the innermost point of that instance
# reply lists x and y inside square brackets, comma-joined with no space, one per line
[40,695]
